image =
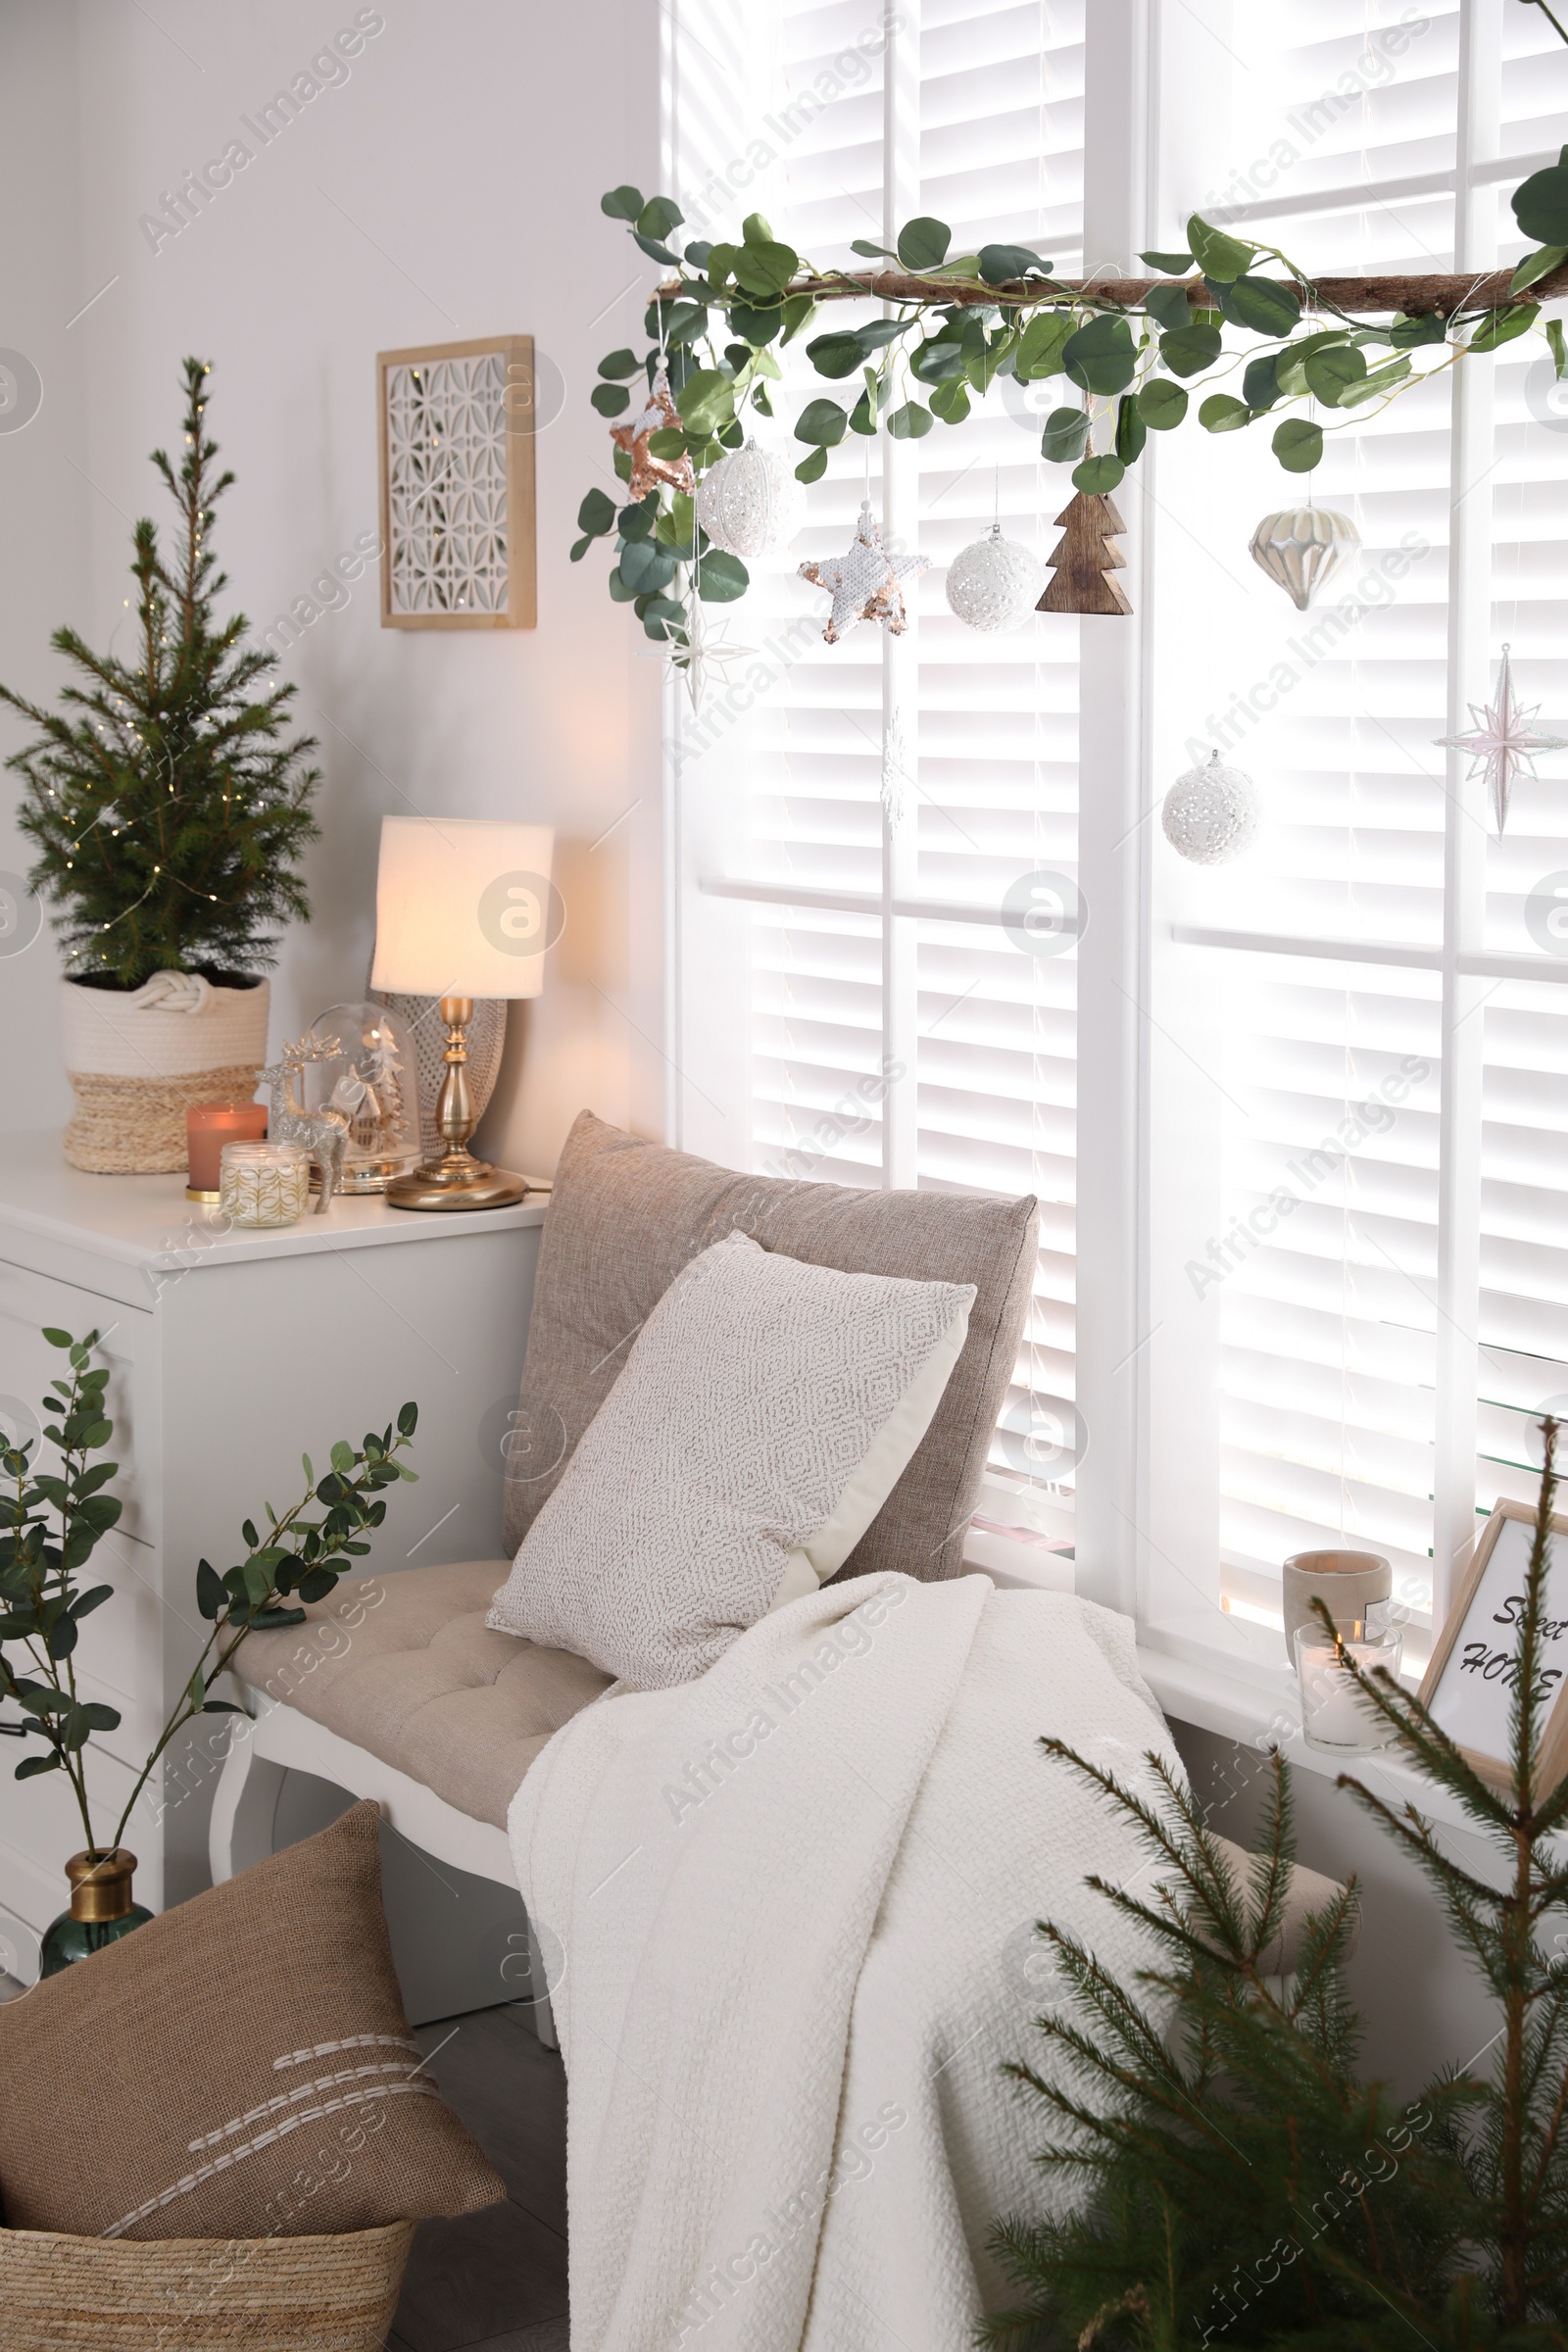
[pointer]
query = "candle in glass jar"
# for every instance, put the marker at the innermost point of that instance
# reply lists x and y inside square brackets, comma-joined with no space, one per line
[1333,1712]
[209,1126]
[265,1184]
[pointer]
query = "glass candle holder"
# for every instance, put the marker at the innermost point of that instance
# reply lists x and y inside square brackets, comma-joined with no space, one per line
[209,1126]
[265,1184]
[1335,1714]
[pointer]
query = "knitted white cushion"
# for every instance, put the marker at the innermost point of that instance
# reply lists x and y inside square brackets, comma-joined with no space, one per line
[766,1409]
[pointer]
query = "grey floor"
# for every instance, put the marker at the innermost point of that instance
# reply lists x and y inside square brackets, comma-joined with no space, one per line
[495,2281]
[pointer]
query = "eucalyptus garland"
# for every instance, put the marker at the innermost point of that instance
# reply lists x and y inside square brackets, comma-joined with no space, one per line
[953,325]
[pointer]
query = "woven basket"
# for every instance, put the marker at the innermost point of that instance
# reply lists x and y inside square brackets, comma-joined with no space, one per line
[200,2294]
[136,1065]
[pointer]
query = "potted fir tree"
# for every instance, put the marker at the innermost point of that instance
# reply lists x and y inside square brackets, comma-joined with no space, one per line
[169,811]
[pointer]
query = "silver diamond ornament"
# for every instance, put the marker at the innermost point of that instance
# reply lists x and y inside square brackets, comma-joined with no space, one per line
[1302,548]
[751,501]
[994,583]
[1210,813]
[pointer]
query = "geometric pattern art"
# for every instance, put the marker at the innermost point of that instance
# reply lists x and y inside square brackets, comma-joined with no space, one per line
[456,488]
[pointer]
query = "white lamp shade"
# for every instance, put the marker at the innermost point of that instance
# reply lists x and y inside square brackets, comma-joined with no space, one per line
[463,907]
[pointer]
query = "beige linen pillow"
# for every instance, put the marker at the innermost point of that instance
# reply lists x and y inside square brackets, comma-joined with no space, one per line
[240,2067]
[766,1409]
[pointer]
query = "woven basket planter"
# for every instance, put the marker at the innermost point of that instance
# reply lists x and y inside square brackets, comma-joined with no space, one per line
[136,1062]
[200,2294]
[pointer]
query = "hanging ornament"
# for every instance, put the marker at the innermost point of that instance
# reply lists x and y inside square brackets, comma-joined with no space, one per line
[896,782]
[865,581]
[647,472]
[993,583]
[1502,743]
[1210,813]
[1085,557]
[751,503]
[707,657]
[1302,548]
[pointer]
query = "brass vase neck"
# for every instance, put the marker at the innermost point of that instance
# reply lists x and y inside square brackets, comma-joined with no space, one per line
[100,1885]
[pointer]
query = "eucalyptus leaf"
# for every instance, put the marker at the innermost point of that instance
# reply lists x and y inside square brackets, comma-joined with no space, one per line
[911,422]
[1221,259]
[1175,264]
[950,401]
[596,516]
[1040,346]
[622,204]
[646,566]
[1189,350]
[764,271]
[872,253]
[1541,206]
[1132,429]
[1537,264]
[822,421]
[1260,383]
[812,468]
[1503,326]
[1000,265]
[1100,356]
[619,365]
[1222,412]
[721,577]
[923,243]
[937,361]
[1262,304]
[1169,307]
[835,355]
[1098,475]
[1334,371]
[756,326]
[659,215]
[610,400]
[1161,404]
[1298,444]
[1065,433]
[1372,387]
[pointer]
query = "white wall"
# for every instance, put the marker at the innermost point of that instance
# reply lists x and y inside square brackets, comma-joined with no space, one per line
[448,188]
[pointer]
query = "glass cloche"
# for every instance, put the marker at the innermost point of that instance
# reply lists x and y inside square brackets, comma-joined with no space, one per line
[372,1080]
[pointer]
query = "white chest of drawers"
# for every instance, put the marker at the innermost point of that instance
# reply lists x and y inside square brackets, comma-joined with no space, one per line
[230,1354]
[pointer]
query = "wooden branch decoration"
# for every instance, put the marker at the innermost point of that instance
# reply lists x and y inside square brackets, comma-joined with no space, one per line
[1409,297]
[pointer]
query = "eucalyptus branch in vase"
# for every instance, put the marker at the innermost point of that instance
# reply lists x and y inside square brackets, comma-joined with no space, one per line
[50,1524]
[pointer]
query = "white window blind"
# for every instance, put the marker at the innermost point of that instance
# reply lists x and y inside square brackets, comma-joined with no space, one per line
[1331,988]
[850,847]
[1353,1059]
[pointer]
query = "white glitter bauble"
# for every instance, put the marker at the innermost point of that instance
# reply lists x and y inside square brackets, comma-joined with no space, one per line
[994,583]
[1210,813]
[1301,548]
[751,501]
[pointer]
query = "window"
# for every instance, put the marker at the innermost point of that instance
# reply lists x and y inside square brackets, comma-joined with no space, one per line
[1319,1098]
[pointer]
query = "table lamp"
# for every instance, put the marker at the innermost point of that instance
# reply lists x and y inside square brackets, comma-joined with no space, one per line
[461,910]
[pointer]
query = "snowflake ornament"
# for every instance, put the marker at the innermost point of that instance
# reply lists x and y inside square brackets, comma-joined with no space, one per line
[1502,743]
[865,582]
[649,472]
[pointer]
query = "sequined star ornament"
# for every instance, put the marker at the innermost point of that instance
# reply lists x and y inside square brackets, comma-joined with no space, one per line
[647,471]
[1502,743]
[867,582]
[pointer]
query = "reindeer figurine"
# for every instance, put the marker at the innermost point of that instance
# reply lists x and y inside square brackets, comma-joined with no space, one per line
[324,1133]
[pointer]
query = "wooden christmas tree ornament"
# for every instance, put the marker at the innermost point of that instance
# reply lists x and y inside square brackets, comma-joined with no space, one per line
[1085,557]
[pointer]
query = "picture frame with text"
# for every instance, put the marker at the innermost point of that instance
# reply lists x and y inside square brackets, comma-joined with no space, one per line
[1468,1687]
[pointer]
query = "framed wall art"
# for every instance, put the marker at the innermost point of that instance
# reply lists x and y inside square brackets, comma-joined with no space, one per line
[456,485]
[1469,1684]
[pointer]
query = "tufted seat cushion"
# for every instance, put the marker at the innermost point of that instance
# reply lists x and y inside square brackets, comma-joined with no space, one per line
[404,1666]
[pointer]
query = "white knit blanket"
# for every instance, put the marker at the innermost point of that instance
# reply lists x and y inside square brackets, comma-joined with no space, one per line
[789,1915]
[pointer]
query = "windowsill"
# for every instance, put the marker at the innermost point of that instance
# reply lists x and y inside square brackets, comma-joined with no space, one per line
[1260,1707]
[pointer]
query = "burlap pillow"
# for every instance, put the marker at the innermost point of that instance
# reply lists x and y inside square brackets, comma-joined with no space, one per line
[240,2067]
[626,1215]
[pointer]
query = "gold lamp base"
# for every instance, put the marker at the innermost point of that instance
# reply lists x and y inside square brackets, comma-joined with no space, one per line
[456,1180]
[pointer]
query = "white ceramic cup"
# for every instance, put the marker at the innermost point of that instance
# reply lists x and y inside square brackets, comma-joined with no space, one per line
[1351,1581]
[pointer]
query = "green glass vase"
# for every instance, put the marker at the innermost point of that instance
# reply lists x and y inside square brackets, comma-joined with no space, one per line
[101,1910]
